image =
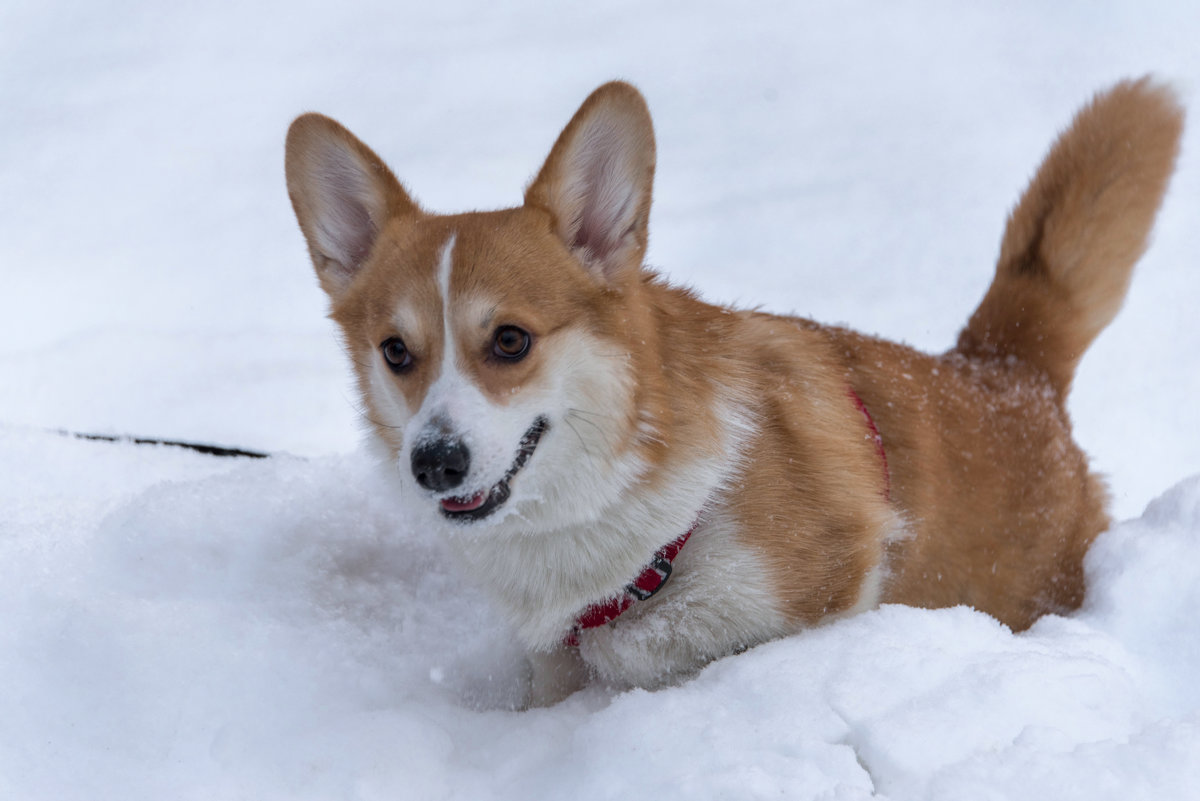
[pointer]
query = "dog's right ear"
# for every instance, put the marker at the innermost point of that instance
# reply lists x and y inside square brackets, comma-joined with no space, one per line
[342,193]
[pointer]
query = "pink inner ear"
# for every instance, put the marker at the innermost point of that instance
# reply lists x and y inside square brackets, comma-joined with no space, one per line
[602,183]
[345,222]
[349,232]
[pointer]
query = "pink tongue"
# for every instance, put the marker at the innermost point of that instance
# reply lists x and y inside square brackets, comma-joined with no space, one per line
[458,505]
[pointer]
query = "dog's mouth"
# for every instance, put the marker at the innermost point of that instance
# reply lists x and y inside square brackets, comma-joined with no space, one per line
[484,502]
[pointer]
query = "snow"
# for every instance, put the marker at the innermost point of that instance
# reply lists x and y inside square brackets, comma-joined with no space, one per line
[179,626]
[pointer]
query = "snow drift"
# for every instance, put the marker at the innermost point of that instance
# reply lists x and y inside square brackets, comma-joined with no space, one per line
[185,627]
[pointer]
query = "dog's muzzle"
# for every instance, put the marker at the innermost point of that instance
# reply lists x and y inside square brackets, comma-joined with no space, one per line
[441,463]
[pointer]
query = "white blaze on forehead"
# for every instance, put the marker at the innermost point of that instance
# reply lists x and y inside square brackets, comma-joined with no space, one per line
[444,268]
[451,398]
[406,319]
[455,406]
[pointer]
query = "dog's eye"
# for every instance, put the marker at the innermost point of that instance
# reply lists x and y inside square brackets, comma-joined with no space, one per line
[511,343]
[396,354]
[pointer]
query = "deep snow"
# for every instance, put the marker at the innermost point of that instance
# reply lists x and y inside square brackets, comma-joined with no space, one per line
[191,628]
[186,627]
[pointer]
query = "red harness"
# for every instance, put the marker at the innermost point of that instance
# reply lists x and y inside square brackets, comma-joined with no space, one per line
[887,476]
[648,582]
[655,575]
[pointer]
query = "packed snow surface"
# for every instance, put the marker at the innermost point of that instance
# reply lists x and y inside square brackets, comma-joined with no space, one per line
[180,626]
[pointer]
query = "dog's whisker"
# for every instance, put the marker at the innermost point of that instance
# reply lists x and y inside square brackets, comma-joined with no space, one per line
[378,423]
[577,410]
[604,436]
[582,442]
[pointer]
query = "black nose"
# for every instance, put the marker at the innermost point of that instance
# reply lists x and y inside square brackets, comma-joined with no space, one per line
[440,464]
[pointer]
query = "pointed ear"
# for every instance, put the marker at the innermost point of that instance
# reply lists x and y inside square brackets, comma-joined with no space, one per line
[596,182]
[342,193]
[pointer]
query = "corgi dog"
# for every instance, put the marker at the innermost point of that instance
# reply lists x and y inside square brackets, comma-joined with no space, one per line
[644,481]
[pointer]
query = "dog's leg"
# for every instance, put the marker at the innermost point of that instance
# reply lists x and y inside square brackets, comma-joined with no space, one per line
[556,675]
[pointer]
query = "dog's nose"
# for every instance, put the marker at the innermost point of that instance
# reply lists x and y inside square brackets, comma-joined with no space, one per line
[440,464]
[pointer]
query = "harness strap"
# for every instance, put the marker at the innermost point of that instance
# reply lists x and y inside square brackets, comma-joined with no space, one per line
[652,579]
[877,439]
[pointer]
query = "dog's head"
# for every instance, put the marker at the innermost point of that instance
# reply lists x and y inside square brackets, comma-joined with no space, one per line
[492,349]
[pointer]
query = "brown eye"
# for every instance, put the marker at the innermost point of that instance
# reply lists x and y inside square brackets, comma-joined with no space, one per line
[511,343]
[396,354]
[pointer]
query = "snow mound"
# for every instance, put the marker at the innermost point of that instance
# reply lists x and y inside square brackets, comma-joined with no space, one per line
[180,626]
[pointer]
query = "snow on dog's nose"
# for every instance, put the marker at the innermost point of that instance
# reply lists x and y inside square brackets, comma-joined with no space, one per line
[440,464]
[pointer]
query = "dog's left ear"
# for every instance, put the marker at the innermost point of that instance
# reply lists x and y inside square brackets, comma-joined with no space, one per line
[597,180]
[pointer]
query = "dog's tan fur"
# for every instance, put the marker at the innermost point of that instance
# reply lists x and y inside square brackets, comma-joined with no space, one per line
[991,502]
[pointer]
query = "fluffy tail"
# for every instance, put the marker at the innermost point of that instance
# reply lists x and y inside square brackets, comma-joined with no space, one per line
[1071,242]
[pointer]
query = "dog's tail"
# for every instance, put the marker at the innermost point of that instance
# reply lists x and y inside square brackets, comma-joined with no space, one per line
[1071,242]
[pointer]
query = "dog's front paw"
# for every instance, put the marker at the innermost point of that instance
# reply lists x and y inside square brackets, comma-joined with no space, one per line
[640,653]
[555,675]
